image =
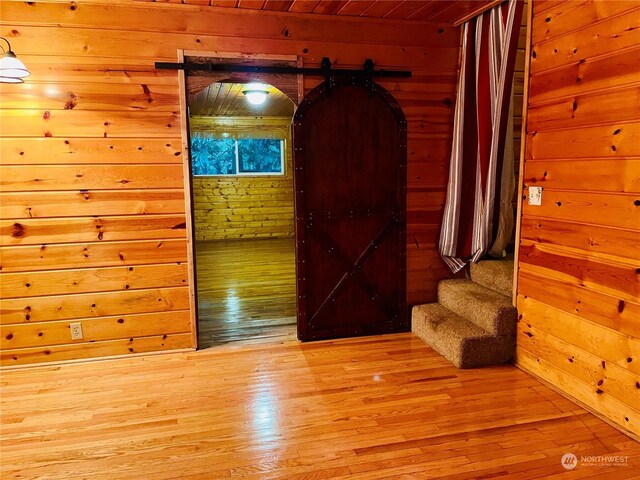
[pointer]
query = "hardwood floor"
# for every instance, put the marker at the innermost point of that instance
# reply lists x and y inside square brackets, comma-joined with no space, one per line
[246,291]
[366,408]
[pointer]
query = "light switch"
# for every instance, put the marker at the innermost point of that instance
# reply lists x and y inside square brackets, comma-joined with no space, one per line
[535,195]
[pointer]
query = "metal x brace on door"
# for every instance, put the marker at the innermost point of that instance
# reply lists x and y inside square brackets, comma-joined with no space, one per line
[355,267]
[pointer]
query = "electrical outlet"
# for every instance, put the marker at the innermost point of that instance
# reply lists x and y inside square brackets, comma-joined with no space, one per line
[535,196]
[76,331]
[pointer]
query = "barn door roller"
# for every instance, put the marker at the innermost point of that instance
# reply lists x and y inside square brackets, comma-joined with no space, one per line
[325,71]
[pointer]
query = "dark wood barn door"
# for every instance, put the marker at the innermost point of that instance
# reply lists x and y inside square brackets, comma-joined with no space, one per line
[350,140]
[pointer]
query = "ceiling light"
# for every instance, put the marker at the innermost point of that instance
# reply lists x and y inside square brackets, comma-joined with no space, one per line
[12,70]
[256,93]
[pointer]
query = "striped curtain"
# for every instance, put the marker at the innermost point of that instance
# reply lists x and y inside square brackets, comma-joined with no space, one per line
[478,208]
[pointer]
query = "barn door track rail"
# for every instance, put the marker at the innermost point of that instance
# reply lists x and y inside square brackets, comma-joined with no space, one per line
[325,70]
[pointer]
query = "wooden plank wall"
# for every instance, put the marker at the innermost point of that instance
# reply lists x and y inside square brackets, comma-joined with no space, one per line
[579,267]
[92,185]
[235,207]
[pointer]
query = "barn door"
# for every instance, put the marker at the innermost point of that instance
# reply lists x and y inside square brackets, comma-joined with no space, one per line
[350,140]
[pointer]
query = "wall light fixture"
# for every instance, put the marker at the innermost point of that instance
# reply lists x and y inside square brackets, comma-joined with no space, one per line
[12,70]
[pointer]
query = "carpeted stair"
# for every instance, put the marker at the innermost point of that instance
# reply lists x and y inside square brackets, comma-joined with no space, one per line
[494,274]
[473,324]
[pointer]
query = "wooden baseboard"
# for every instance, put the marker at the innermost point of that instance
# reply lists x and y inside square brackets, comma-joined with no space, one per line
[620,428]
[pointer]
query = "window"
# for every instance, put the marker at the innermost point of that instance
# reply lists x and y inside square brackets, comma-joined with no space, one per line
[245,156]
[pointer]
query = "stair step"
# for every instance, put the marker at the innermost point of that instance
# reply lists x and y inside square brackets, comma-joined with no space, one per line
[482,306]
[494,274]
[461,342]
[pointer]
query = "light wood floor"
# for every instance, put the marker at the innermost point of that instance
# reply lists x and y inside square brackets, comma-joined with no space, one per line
[368,408]
[246,291]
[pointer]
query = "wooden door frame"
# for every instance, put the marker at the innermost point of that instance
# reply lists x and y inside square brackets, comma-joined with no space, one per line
[188,203]
[186,162]
[523,151]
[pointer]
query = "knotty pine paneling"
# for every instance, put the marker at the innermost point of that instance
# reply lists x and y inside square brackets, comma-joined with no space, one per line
[579,264]
[619,381]
[235,207]
[91,96]
[154,46]
[596,174]
[581,236]
[579,110]
[227,23]
[59,282]
[66,70]
[598,272]
[21,205]
[24,178]
[41,309]
[617,140]
[65,230]
[99,328]
[92,200]
[101,348]
[592,207]
[73,150]
[83,123]
[586,336]
[601,308]
[588,76]
[100,253]
[593,39]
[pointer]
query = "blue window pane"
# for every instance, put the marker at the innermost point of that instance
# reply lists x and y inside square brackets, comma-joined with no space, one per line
[213,156]
[259,155]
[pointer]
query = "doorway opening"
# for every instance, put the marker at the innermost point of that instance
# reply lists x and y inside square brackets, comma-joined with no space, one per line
[243,218]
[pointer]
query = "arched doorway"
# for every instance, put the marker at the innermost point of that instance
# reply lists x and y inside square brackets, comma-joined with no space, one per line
[242,199]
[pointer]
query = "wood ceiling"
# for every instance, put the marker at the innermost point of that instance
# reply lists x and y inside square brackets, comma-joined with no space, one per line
[226,99]
[447,11]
